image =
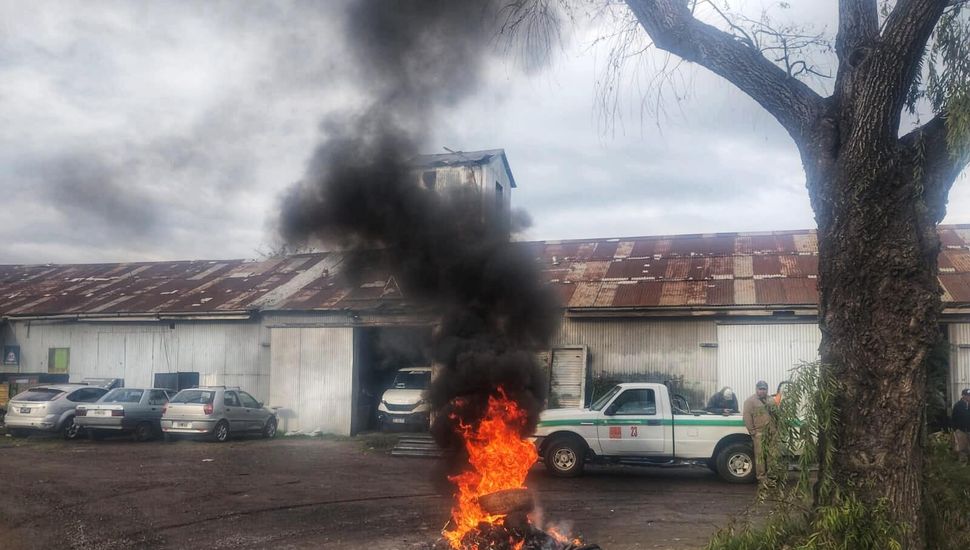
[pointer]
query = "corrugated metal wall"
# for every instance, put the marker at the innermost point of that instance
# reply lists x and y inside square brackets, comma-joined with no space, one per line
[648,350]
[751,352]
[959,359]
[312,378]
[229,353]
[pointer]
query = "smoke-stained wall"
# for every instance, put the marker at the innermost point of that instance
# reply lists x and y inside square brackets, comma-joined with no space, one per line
[648,350]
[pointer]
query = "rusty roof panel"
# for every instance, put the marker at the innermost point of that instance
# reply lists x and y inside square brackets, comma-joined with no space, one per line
[766,266]
[949,237]
[674,293]
[564,292]
[720,293]
[604,298]
[715,245]
[696,293]
[604,251]
[677,269]
[798,266]
[644,248]
[585,294]
[957,286]
[639,294]
[769,291]
[957,259]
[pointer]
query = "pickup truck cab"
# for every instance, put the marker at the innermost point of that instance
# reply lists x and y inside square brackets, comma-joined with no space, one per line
[639,423]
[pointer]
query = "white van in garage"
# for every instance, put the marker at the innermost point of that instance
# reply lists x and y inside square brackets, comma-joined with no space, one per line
[404,404]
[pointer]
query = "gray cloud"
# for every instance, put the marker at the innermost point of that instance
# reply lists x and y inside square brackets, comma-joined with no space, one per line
[197,115]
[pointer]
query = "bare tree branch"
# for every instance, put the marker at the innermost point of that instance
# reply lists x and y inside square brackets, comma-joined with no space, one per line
[673,28]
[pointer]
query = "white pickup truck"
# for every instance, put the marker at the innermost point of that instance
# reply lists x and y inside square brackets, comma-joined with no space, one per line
[638,423]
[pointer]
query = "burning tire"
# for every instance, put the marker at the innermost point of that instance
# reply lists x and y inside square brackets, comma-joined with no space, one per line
[735,463]
[565,457]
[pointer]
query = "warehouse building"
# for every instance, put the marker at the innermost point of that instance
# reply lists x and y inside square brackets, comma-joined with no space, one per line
[700,311]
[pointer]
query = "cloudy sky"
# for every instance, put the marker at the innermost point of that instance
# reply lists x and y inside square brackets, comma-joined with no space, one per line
[149,131]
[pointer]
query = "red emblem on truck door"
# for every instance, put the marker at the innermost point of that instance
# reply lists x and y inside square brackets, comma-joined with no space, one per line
[615,432]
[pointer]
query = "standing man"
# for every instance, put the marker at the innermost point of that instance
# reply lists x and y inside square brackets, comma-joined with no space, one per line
[961,426]
[758,422]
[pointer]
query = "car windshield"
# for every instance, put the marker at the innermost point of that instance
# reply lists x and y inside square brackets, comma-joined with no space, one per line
[123,395]
[194,396]
[412,380]
[602,401]
[39,394]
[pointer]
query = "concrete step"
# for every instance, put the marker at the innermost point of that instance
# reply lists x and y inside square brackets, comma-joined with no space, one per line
[428,453]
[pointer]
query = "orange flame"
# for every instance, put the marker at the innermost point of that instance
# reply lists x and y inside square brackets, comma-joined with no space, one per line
[500,459]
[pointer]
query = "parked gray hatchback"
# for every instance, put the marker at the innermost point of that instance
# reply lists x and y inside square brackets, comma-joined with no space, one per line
[216,412]
[124,410]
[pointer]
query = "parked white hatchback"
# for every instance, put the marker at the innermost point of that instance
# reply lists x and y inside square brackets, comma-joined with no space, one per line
[216,412]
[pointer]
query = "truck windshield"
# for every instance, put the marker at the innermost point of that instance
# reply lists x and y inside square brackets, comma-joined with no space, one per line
[412,380]
[602,401]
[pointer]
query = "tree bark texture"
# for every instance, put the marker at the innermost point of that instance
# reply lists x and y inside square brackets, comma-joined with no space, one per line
[877,199]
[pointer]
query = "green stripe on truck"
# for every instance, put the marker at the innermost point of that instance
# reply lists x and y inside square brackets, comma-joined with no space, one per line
[637,422]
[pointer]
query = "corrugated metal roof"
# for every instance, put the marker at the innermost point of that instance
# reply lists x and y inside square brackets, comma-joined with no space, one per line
[723,270]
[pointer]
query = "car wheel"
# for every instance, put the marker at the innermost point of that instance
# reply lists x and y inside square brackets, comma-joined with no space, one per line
[71,430]
[565,457]
[143,432]
[18,433]
[221,432]
[735,463]
[269,430]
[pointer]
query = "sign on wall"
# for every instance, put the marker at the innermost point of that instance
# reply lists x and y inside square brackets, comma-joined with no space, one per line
[11,355]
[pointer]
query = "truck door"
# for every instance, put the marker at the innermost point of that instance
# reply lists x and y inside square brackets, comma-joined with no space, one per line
[632,425]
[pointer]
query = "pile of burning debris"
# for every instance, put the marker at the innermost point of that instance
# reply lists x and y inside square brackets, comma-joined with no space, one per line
[494,510]
[513,529]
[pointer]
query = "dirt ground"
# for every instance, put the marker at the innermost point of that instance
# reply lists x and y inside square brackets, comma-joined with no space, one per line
[303,493]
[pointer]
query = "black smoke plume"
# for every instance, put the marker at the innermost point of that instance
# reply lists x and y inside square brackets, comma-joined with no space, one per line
[360,191]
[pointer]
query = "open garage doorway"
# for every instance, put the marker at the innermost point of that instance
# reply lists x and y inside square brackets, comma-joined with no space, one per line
[381,353]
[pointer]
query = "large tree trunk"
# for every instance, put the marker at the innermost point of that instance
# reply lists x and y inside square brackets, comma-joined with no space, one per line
[879,305]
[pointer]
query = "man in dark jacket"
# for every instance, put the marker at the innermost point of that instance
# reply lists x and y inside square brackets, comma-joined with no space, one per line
[961,426]
[723,402]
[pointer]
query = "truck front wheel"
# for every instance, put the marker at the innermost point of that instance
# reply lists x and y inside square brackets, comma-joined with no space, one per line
[735,463]
[565,457]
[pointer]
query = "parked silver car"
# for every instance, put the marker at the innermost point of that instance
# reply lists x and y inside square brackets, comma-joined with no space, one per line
[124,410]
[49,408]
[216,412]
